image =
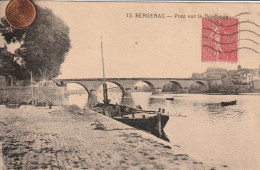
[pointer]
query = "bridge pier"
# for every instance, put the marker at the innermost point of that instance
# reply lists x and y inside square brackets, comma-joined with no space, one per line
[92,98]
[158,90]
[127,98]
[186,90]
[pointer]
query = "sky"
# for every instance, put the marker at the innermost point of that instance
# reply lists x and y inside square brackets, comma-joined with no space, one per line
[143,47]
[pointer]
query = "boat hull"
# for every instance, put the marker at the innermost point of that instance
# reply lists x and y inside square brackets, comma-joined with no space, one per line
[140,119]
[147,124]
[229,103]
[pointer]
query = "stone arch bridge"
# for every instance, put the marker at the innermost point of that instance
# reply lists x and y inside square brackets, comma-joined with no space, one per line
[128,84]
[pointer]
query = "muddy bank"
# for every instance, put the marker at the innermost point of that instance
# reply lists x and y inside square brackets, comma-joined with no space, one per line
[65,137]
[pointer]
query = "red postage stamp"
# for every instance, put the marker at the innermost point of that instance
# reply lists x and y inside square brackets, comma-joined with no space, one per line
[219,39]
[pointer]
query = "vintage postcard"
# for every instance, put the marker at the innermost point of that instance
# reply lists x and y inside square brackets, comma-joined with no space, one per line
[129,85]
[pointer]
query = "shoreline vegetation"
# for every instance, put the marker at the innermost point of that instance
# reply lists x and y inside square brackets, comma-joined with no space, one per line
[73,138]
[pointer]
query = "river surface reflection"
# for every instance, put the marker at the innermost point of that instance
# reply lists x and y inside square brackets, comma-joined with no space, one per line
[207,131]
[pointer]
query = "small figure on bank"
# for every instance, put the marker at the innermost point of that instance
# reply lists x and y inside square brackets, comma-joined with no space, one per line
[50,105]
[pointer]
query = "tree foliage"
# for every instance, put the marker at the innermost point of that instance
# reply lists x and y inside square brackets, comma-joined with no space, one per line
[11,68]
[44,44]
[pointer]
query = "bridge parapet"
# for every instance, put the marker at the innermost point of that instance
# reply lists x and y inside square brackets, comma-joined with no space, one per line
[129,83]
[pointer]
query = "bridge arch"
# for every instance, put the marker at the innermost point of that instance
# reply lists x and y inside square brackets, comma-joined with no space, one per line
[78,84]
[173,86]
[77,94]
[153,89]
[198,87]
[119,85]
[115,92]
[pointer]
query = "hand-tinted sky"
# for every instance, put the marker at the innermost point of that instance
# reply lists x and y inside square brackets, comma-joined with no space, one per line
[138,47]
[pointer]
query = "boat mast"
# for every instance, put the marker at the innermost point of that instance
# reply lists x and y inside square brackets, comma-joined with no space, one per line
[106,100]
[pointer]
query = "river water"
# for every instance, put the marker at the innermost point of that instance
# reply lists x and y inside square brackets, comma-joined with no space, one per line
[204,129]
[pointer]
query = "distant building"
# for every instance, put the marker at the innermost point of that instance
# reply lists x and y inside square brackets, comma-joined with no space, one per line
[243,76]
[211,73]
[241,79]
[198,76]
[216,73]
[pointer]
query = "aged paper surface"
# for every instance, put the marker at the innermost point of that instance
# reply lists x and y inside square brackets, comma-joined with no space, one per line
[198,61]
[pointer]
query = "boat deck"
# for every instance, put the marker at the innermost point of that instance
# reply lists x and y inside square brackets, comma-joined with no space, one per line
[139,115]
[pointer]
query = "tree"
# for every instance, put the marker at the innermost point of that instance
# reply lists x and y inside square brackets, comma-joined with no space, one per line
[44,44]
[10,67]
[6,63]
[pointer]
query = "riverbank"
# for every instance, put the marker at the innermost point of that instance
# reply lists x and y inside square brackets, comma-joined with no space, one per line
[71,138]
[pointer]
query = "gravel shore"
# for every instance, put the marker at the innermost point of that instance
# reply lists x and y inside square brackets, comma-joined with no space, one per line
[71,138]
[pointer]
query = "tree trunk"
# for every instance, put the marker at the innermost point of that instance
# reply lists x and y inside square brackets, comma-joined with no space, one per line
[40,71]
[12,81]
